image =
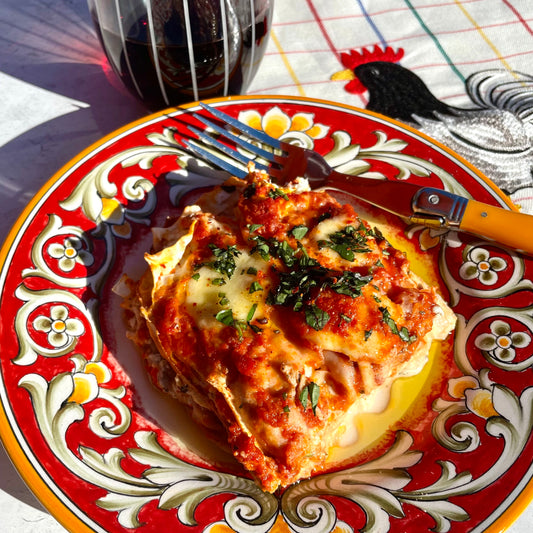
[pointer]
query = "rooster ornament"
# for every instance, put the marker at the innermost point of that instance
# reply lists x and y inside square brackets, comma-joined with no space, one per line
[495,134]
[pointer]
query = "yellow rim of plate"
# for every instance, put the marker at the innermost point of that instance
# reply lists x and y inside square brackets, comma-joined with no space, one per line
[24,466]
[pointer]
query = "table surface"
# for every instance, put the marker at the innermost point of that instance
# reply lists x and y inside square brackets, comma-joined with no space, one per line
[59,96]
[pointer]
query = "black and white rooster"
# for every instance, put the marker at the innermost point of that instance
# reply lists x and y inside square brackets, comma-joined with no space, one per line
[495,134]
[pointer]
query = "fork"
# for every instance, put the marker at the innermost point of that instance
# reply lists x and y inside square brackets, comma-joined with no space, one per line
[417,204]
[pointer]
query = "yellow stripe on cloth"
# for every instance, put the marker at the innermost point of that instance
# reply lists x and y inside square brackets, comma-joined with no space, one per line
[484,36]
[287,64]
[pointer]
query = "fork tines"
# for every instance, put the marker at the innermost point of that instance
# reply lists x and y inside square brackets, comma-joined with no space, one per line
[245,144]
[260,136]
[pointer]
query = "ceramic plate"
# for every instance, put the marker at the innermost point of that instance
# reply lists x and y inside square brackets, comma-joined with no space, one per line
[105,452]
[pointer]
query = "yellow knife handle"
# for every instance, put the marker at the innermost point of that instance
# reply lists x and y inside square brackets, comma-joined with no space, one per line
[510,228]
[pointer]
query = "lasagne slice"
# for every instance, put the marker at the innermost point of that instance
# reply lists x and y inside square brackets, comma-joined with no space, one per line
[273,312]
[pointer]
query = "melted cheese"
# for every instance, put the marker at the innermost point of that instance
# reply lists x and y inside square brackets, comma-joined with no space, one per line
[204,295]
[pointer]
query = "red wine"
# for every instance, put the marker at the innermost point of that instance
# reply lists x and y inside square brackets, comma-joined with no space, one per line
[162,75]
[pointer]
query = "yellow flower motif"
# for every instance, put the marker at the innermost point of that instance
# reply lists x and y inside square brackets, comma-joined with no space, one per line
[87,382]
[431,237]
[113,213]
[85,388]
[477,399]
[458,386]
[278,124]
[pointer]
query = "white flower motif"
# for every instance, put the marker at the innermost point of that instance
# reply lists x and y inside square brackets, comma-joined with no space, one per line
[58,326]
[69,253]
[482,266]
[501,342]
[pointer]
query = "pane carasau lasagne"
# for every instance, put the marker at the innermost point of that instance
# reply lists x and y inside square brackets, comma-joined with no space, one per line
[278,311]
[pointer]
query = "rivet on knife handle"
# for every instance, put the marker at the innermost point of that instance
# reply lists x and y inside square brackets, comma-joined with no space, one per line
[439,203]
[508,228]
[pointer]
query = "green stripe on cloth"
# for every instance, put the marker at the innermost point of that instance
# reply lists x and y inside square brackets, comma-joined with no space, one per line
[434,39]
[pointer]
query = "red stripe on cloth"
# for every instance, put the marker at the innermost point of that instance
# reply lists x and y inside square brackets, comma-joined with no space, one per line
[518,16]
[323,28]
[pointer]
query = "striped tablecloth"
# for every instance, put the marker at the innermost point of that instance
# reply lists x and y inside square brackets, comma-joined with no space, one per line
[419,60]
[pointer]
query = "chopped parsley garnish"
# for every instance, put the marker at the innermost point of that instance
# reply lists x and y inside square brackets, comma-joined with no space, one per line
[298,288]
[251,313]
[368,332]
[196,276]
[299,232]
[218,281]
[224,262]
[254,227]
[315,317]
[350,283]
[261,247]
[226,317]
[254,287]
[277,193]
[348,242]
[310,393]
[252,271]
[285,252]
[295,287]
[403,332]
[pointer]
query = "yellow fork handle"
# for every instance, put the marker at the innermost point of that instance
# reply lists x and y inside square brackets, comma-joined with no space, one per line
[510,228]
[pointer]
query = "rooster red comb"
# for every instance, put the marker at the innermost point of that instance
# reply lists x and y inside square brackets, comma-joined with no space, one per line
[354,58]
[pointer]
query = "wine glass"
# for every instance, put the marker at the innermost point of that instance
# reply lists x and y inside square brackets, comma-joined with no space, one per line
[169,52]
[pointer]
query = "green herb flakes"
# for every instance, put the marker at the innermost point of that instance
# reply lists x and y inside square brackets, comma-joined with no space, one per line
[403,333]
[347,242]
[350,283]
[277,193]
[315,317]
[299,232]
[254,227]
[251,312]
[254,287]
[310,394]
[226,317]
[224,262]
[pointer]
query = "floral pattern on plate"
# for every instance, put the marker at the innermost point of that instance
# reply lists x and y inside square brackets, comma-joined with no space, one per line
[83,416]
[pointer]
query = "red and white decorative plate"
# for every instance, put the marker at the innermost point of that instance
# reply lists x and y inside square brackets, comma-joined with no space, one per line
[104,451]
